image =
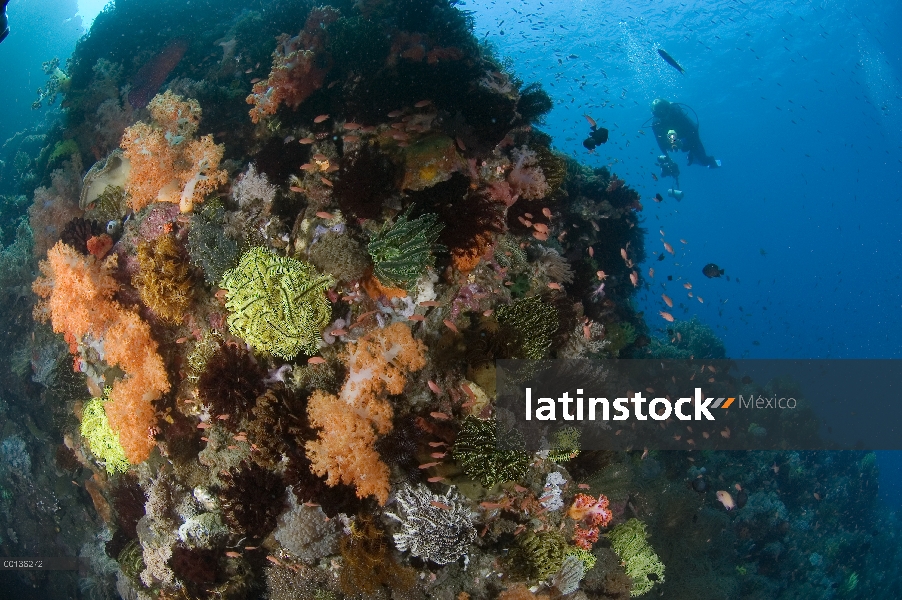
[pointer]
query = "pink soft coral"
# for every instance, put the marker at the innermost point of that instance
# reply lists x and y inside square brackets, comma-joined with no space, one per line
[591,512]
[299,67]
[526,179]
[77,298]
[350,423]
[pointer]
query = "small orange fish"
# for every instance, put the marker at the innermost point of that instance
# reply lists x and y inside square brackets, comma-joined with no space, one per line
[435,479]
[422,104]
[395,114]
[699,298]
[601,275]
[231,554]
[181,340]
[775,468]
[554,286]
[416,318]
[306,140]
[666,316]
[316,360]
[203,425]
[584,486]
[682,241]
[667,300]
[223,417]
[460,144]
[668,247]
[325,181]
[687,285]
[255,80]
[440,505]
[651,272]
[351,139]
[338,332]
[429,465]
[296,189]
[726,499]
[738,487]
[325,215]
[439,415]
[430,303]
[434,387]
[540,227]
[320,118]
[634,278]
[706,435]
[450,325]
[540,236]
[547,212]
[352,126]
[591,121]
[439,454]
[816,496]
[400,135]
[591,252]
[273,560]
[623,254]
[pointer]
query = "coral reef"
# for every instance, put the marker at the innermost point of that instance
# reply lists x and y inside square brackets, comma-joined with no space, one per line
[331,429]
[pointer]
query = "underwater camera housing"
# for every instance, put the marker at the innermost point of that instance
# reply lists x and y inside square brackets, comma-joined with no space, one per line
[678,194]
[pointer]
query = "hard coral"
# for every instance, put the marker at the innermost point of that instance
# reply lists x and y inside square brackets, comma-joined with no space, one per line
[77,297]
[299,66]
[351,422]
[166,165]
[278,305]
[164,279]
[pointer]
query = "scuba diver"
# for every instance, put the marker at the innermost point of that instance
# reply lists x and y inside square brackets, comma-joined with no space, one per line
[675,131]
[4,22]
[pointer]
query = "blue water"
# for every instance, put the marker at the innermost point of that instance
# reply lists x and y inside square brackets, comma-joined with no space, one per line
[802,102]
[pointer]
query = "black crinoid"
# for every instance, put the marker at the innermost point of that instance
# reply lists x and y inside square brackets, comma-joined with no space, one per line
[252,499]
[365,179]
[78,231]
[230,384]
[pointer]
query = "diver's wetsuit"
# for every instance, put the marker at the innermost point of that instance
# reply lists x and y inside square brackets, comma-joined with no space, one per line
[4,22]
[669,116]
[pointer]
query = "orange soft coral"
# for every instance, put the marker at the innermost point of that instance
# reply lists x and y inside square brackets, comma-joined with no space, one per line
[77,297]
[299,67]
[349,423]
[166,165]
[345,449]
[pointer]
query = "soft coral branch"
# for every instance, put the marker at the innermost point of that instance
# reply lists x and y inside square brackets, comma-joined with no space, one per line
[77,298]
[351,422]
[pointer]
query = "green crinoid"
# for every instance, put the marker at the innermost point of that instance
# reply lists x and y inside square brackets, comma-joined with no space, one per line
[277,304]
[402,251]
